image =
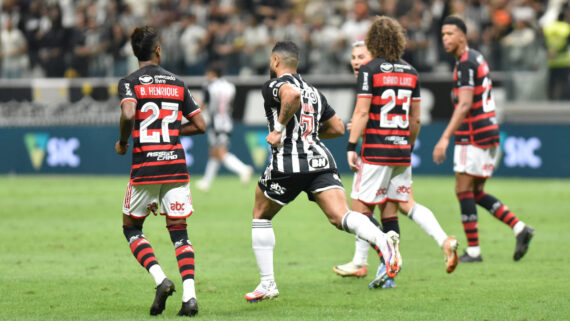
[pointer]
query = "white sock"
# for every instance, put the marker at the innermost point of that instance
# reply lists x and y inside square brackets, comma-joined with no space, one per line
[360,252]
[519,226]
[473,250]
[189,291]
[232,163]
[422,216]
[360,225]
[157,274]
[263,243]
[211,170]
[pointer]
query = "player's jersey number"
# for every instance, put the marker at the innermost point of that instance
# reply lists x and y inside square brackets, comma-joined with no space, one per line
[145,137]
[487,96]
[388,120]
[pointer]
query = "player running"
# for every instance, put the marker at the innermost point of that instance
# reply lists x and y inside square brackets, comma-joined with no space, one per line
[218,100]
[476,141]
[153,102]
[298,116]
[420,214]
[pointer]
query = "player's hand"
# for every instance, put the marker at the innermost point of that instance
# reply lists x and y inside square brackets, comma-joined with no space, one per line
[352,159]
[121,149]
[274,138]
[439,151]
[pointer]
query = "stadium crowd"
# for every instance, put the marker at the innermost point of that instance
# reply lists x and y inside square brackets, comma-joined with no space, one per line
[88,38]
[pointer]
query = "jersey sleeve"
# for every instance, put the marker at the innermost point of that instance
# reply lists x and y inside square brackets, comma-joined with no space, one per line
[328,111]
[189,106]
[271,88]
[364,82]
[416,95]
[126,92]
[466,73]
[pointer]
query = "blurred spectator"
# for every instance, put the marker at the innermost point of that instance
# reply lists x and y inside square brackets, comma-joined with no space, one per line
[324,45]
[53,44]
[13,51]
[256,46]
[193,44]
[557,39]
[521,47]
[417,23]
[118,49]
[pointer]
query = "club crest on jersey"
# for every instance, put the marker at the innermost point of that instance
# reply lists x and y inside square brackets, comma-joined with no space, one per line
[386,67]
[318,162]
[146,79]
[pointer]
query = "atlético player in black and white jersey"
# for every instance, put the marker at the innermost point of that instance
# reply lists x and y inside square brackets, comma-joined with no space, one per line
[153,102]
[298,116]
[476,150]
[387,115]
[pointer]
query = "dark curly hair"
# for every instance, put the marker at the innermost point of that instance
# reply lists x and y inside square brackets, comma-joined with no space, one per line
[386,39]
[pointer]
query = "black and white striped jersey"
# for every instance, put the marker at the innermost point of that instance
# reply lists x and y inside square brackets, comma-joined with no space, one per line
[219,96]
[302,151]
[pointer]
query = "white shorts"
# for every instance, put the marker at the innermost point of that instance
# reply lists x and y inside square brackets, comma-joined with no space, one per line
[174,199]
[475,161]
[375,184]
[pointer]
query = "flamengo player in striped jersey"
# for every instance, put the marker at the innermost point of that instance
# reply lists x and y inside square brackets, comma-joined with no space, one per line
[298,116]
[387,115]
[476,141]
[153,102]
[420,214]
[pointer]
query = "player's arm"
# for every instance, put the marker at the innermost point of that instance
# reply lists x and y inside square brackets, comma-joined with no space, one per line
[359,121]
[415,123]
[195,125]
[290,98]
[465,98]
[331,128]
[126,124]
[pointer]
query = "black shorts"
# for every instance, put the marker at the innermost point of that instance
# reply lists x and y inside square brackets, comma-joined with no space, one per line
[283,188]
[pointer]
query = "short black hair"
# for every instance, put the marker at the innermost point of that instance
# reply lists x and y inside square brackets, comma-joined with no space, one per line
[455,20]
[286,47]
[216,67]
[289,52]
[144,41]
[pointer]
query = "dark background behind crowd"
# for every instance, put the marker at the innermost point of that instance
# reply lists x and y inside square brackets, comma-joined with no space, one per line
[88,38]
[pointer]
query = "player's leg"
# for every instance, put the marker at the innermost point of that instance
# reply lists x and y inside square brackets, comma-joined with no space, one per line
[358,266]
[231,162]
[333,203]
[464,190]
[211,170]
[263,244]
[523,232]
[426,220]
[176,205]
[139,201]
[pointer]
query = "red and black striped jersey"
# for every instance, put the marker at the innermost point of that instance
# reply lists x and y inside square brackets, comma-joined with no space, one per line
[162,99]
[479,128]
[392,86]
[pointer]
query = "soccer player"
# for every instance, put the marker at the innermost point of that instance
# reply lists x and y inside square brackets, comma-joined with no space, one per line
[153,102]
[298,116]
[218,99]
[476,141]
[420,214]
[387,115]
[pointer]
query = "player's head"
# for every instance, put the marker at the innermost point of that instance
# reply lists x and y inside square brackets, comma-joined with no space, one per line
[360,56]
[214,70]
[146,46]
[284,56]
[386,39]
[453,34]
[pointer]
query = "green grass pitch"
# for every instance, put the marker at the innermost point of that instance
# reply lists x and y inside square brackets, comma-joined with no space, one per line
[64,257]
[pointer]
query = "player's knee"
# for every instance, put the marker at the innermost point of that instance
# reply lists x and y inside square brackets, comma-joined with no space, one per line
[131,231]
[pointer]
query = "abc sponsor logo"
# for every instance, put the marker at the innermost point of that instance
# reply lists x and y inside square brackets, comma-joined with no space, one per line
[177,207]
[404,190]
